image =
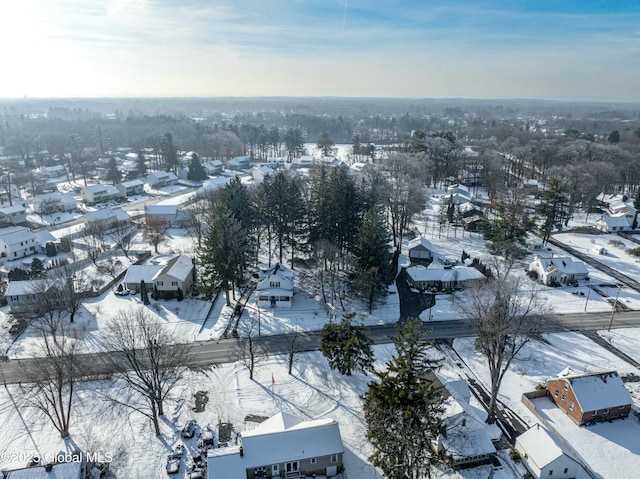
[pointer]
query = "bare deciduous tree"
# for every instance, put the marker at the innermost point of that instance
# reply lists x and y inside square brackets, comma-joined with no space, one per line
[146,359]
[250,351]
[53,377]
[155,230]
[93,235]
[122,235]
[505,312]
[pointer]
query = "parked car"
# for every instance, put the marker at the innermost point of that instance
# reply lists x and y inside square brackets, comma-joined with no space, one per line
[189,429]
[197,473]
[173,462]
[206,438]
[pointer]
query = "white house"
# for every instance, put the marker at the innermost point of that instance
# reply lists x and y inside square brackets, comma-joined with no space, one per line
[259,172]
[304,161]
[614,224]
[275,289]
[17,242]
[175,278]
[22,296]
[544,457]
[107,217]
[276,161]
[559,270]
[93,194]
[13,215]
[282,446]
[54,171]
[158,179]
[130,188]
[169,279]
[53,202]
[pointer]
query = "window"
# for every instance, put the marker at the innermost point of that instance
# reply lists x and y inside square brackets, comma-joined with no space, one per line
[275,470]
[274,284]
[606,411]
[334,458]
[174,283]
[571,406]
[314,460]
[551,472]
[160,283]
[284,298]
[562,397]
[555,394]
[566,469]
[264,298]
[566,387]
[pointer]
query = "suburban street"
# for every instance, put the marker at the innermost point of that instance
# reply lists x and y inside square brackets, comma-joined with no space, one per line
[205,353]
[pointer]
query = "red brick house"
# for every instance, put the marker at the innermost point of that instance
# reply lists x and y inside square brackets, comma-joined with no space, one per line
[590,397]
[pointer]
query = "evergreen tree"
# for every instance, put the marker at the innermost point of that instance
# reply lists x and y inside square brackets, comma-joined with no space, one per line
[325,144]
[113,175]
[141,164]
[236,197]
[553,208]
[224,254]
[144,294]
[169,153]
[403,409]
[347,346]
[507,231]
[196,170]
[37,268]
[344,208]
[371,248]
[294,143]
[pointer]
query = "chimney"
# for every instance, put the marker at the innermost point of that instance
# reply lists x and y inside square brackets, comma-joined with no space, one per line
[241,452]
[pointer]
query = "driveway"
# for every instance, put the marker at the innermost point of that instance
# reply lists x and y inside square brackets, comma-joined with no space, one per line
[411,303]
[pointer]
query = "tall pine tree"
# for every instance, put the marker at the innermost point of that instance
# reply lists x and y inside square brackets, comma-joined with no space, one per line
[403,409]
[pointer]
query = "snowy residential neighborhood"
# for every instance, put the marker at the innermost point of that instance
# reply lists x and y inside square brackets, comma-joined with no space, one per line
[325,311]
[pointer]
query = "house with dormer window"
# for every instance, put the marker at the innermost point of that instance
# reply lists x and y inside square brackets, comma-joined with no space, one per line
[275,288]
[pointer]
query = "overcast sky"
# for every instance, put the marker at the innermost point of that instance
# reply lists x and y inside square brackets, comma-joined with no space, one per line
[554,49]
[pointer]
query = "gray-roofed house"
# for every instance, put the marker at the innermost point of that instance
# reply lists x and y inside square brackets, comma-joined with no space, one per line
[282,446]
[138,273]
[591,397]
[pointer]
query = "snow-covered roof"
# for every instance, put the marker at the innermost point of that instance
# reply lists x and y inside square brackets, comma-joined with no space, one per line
[44,236]
[563,264]
[161,210]
[541,447]
[13,209]
[599,391]
[16,234]
[420,241]
[19,288]
[162,175]
[457,273]
[617,221]
[137,273]
[132,183]
[225,463]
[64,470]
[116,213]
[464,434]
[96,188]
[179,267]
[285,438]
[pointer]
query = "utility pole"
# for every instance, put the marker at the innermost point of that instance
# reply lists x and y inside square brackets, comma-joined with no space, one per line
[588,293]
[613,310]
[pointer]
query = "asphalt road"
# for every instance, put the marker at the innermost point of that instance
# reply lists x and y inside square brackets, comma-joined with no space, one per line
[206,353]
